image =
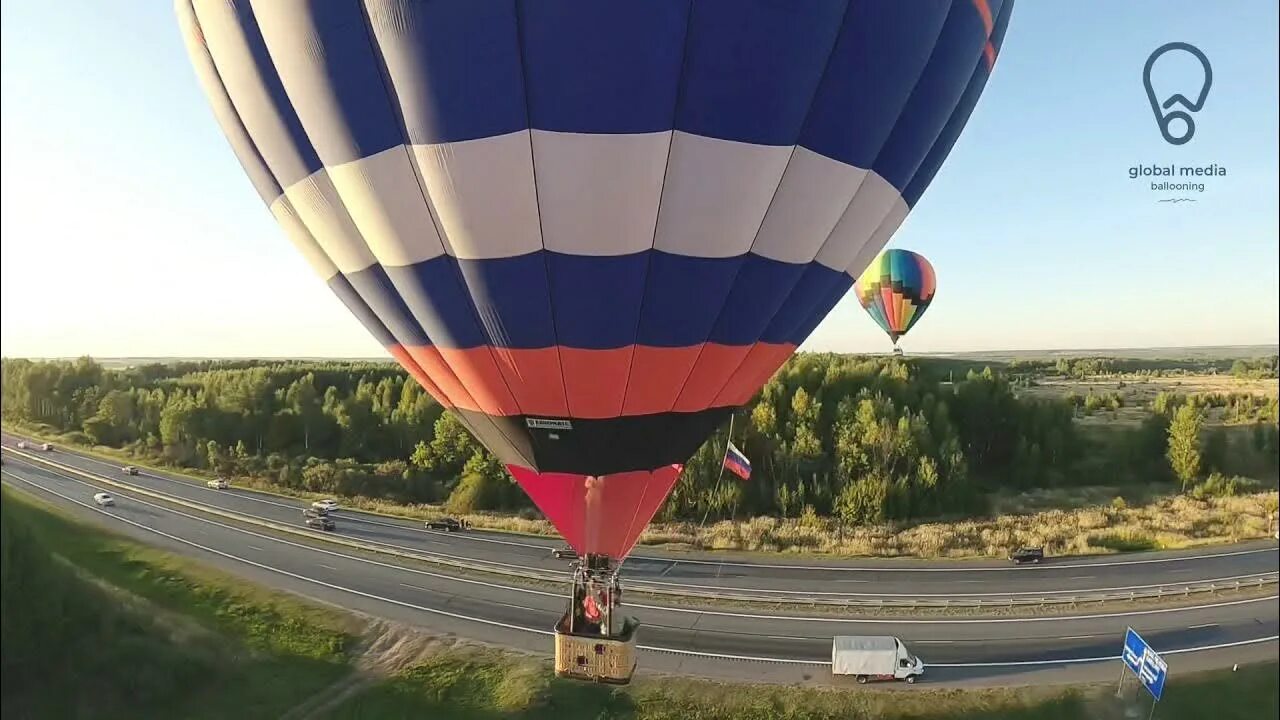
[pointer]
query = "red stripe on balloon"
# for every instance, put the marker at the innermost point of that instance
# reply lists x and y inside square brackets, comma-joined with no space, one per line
[761,362]
[574,382]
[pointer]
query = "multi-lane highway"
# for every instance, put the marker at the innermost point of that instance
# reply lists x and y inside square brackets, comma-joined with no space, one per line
[776,645]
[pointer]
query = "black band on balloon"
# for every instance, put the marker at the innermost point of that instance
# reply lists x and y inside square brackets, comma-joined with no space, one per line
[596,447]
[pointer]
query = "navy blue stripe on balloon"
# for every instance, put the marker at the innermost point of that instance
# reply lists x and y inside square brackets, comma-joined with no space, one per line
[360,309]
[298,160]
[956,123]
[365,123]
[813,297]
[649,298]
[752,67]
[882,51]
[454,67]
[935,97]
[867,83]
[603,68]
[233,128]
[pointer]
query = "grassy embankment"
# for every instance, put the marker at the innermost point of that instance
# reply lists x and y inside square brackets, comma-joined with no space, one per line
[96,626]
[1070,521]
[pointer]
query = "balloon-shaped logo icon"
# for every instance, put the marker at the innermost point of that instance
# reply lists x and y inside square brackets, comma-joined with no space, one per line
[1165,119]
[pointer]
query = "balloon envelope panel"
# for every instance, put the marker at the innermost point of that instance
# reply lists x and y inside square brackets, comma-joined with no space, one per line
[591,229]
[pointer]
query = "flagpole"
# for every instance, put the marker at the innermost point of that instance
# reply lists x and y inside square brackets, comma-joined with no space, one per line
[719,477]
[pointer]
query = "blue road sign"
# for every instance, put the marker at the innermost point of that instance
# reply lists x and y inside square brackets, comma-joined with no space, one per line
[1145,663]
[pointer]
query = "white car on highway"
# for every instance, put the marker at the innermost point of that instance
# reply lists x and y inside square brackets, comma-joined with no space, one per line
[327,505]
[22,444]
[218,484]
[129,470]
[46,446]
[104,499]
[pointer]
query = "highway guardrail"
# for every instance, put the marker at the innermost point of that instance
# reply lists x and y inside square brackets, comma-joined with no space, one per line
[791,600]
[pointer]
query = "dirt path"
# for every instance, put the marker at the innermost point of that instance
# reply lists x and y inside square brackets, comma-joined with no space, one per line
[385,649]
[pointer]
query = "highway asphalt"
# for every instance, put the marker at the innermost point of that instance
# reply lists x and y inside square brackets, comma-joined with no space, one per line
[871,578]
[728,643]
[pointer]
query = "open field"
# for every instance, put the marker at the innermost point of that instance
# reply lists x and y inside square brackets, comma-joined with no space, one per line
[1138,392]
[268,654]
[1201,352]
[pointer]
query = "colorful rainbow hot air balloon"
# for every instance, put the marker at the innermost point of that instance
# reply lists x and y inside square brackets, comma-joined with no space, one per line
[592,229]
[895,290]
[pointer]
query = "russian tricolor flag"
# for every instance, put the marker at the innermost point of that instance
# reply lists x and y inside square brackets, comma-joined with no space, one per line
[736,462]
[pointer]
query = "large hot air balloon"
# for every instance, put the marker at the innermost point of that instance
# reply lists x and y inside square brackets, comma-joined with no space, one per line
[895,290]
[591,229]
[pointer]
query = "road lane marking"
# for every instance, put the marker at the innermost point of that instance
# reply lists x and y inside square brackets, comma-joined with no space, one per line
[640,584]
[711,613]
[327,567]
[1082,577]
[1076,637]
[675,651]
[1204,625]
[517,607]
[692,561]
[1108,658]
[255,547]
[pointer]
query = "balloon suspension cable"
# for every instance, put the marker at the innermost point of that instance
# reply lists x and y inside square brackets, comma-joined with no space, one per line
[596,594]
[728,439]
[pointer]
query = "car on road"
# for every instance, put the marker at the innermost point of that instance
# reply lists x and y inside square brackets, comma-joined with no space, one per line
[1027,554]
[129,470]
[218,484]
[321,522]
[47,447]
[104,499]
[314,512]
[447,524]
[328,505]
[22,444]
[564,553]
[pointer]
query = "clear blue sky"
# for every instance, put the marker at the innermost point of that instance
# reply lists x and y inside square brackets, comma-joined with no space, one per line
[128,228]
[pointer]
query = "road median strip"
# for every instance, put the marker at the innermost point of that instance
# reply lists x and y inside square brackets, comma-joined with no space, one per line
[959,601]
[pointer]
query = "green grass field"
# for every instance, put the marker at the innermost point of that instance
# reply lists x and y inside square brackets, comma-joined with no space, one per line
[96,626]
[489,686]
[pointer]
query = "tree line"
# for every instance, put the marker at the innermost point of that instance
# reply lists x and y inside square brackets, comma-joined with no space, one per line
[1085,367]
[855,438]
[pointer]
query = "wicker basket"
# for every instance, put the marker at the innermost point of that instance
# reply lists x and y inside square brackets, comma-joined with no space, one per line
[595,657]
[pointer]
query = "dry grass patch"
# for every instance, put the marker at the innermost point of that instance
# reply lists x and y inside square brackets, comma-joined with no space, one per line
[1163,523]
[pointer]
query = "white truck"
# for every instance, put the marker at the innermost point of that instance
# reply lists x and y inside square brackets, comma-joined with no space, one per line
[878,657]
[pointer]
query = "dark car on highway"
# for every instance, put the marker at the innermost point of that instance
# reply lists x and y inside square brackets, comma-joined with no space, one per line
[447,524]
[314,513]
[563,553]
[1027,554]
[321,522]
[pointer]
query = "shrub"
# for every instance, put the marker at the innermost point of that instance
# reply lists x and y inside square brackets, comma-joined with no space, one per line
[1219,485]
[1128,540]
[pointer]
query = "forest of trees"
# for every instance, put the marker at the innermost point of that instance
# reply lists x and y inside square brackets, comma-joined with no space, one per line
[859,439]
[1084,367]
